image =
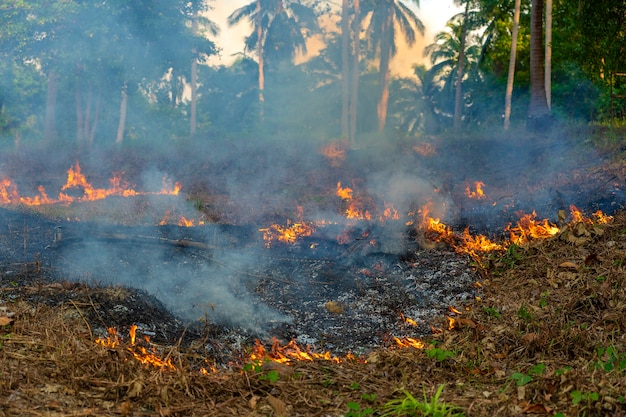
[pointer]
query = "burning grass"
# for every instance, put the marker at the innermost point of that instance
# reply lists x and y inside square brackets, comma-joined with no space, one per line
[547,336]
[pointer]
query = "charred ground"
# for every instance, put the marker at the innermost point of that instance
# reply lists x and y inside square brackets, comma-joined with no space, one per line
[555,302]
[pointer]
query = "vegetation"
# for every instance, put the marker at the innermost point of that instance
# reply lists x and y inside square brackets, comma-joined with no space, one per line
[95,73]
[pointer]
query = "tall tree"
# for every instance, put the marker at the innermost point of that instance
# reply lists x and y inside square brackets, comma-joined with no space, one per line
[538,110]
[277,23]
[445,54]
[458,99]
[511,72]
[200,26]
[356,59]
[387,17]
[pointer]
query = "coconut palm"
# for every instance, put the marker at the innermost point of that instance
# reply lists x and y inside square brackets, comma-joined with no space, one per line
[538,110]
[277,31]
[445,55]
[387,17]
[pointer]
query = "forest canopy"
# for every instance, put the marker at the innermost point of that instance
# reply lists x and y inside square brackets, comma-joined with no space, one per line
[92,72]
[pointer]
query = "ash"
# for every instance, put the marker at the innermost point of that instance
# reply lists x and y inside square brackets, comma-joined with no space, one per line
[358,304]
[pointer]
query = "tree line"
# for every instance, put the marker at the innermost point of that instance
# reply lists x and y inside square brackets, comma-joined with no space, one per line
[101,72]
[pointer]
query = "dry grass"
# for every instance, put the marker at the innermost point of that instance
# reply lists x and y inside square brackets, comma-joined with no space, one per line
[546,337]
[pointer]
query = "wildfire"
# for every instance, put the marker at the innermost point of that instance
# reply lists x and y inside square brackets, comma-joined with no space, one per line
[288,233]
[528,228]
[335,152]
[9,194]
[409,342]
[140,353]
[289,353]
[479,193]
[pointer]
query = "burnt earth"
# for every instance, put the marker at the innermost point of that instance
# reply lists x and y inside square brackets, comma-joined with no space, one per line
[349,297]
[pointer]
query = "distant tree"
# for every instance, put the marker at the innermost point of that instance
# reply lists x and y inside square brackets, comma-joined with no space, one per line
[538,110]
[277,32]
[511,72]
[387,17]
[445,54]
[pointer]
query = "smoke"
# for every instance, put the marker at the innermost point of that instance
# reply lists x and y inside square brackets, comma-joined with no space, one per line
[193,283]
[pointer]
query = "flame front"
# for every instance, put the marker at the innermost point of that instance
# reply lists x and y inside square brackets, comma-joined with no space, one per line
[289,353]
[528,228]
[479,193]
[9,194]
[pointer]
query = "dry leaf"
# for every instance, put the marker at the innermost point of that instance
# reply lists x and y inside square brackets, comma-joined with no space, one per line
[334,307]
[567,264]
[537,409]
[135,390]
[278,405]
[530,337]
[5,321]
[252,402]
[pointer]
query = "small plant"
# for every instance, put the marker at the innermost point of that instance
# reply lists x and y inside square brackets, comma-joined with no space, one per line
[355,410]
[492,312]
[409,405]
[588,397]
[439,354]
[523,379]
[610,359]
[543,301]
[524,314]
[257,368]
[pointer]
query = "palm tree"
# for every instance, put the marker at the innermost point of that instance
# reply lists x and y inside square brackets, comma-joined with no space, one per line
[511,74]
[538,110]
[199,25]
[388,16]
[445,55]
[458,108]
[276,23]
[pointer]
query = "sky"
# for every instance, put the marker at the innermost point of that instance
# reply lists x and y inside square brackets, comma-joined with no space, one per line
[433,13]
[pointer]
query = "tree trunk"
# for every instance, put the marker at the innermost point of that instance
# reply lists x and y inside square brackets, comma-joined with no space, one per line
[548,70]
[538,111]
[458,99]
[345,70]
[383,76]
[123,108]
[511,76]
[79,112]
[49,128]
[96,117]
[260,56]
[356,55]
[194,77]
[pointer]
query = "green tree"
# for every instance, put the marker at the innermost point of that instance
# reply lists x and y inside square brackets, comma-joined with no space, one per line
[445,54]
[277,32]
[387,17]
[538,110]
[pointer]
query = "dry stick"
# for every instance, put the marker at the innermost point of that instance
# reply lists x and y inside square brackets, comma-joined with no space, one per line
[83,317]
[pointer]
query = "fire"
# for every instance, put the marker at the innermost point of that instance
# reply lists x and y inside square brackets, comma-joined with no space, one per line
[407,320]
[479,193]
[140,353]
[76,179]
[289,353]
[343,192]
[409,342]
[480,243]
[335,152]
[529,228]
[288,233]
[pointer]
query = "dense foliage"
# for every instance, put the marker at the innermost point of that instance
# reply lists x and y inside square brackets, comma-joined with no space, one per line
[94,73]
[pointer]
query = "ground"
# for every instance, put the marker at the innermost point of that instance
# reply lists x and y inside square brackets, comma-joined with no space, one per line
[542,335]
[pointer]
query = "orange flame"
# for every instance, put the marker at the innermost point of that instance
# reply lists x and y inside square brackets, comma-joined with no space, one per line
[478,194]
[76,179]
[288,353]
[409,342]
[140,353]
[529,228]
